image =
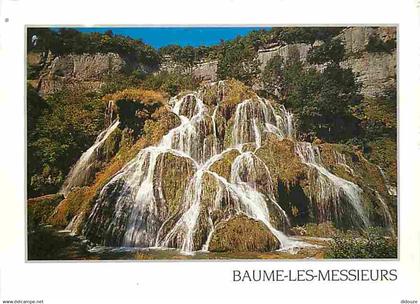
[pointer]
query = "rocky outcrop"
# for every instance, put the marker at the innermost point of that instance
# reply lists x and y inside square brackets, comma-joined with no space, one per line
[297,51]
[87,71]
[205,71]
[242,234]
[355,39]
[376,71]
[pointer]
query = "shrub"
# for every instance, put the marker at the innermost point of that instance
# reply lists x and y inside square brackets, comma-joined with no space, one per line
[170,83]
[373,243]
[60,129]
[322,101]
[272,75]
[331,51]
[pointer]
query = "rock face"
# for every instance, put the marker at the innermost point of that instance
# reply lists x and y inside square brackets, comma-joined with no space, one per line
[231,176]
[297,51]
[83,70]
[375,71]
[205,71]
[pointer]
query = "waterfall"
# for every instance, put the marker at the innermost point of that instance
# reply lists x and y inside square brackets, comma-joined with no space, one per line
[386,214]
[328,188]
[81,172]
[391,189]
[134,191]
[131,209]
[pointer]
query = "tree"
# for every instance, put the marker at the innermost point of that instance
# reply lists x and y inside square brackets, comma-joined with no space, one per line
[322,101]
[272,76]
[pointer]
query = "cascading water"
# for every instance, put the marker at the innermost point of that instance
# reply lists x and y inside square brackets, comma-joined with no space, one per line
[331,189]
[131,211]
[391,189]
[136,219]
[80,173]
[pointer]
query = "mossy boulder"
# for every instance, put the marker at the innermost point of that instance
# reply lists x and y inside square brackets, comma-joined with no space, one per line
[188,106]
[111,144]
[243,234]
[223,166]
[68,208]
[290,178]
[172,175]
[282,161]
[40,208]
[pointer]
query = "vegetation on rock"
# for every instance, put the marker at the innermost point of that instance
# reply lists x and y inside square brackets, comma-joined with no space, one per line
[40,208]
[372,244]
[242,234]
[67,40]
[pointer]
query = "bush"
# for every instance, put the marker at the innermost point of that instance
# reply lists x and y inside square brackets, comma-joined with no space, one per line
[60,129]
[331,51]
[373,243]
[272,76]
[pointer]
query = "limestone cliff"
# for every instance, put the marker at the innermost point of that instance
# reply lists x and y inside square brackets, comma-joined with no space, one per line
[86,71]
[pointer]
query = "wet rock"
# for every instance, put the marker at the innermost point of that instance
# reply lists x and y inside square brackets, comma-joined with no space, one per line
[243,234]
[171,178]
[282,161]
[223,166]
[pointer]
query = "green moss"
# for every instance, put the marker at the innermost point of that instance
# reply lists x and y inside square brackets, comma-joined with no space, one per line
[175,173]
[242,234]
[282,161]
[228,136]
[372,243]
[223,166]
[112,144]
[40,208]
[325,230]
[383,151]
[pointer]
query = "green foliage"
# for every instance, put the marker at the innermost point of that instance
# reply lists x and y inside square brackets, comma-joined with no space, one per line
[237,59]
[305,34]
[188,55]
[377,45]
[67,40]
[118,82]
[322,101]
[330,51]
[272,76]
[373,243]
[60,128]
[172,83]
[40,208]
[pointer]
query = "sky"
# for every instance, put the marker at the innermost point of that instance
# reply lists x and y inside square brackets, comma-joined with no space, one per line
[183,36]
